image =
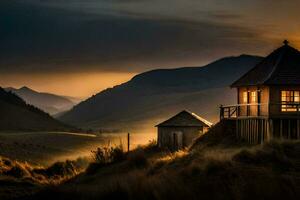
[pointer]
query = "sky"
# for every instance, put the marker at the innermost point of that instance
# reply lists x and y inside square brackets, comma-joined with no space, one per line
[79,47]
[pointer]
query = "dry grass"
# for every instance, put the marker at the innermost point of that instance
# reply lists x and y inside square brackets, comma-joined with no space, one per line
[21,179]
[54,174]
[271,171]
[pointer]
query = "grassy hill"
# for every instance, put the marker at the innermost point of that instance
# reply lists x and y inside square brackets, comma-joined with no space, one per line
[216,166]
[153,96]
[16,115]
[214,171]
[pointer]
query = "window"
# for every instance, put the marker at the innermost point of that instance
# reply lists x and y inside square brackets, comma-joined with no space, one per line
[289,100]
[296,97]
[245,97]
[253,97]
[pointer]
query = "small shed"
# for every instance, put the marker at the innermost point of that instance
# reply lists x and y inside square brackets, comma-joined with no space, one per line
[180,131]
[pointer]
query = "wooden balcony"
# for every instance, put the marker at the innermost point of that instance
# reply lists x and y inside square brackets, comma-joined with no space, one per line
[260,110]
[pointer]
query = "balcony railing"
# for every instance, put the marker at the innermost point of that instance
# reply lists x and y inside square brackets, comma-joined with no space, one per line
[259,109]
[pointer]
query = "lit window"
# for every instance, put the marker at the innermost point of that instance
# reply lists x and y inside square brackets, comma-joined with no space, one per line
[289,99]
[296,96]
[245,97]
[253,97]
[283,95]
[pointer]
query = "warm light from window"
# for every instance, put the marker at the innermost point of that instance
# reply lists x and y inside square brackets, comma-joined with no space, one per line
[253,97]
[296,96]
[288,101]
[245,97]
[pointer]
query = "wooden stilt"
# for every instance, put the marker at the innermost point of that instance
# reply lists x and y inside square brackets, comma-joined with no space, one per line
[271,128]
[257,131]
[252,130]
[248,129]
[298,129]
[261,131]
[242,129]
[128,142]
[281,127]
[237,129]
[289,129]
[266,131]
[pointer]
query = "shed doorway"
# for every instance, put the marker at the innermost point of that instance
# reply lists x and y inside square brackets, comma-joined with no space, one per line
[177,140]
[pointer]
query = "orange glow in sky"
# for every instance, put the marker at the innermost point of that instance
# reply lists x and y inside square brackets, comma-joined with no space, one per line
[69,84]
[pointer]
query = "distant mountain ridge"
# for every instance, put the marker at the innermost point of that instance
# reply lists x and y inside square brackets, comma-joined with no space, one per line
[50,103]
[153,96]
[17,115]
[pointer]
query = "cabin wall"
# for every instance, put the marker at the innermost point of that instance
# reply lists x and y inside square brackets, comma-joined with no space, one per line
[166,136]
[264,94]
[242,109]
[252,110]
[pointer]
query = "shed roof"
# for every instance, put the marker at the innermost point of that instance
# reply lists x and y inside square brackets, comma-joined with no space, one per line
[281,67]
[185,118]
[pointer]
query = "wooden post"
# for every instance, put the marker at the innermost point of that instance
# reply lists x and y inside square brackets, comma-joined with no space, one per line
[174,142]
[221,112]
[237,129]
[298,129]
[265,130]
[246,130]
[289,129]
[281,127]
[261,130]
[271,128]
[243,129]
[256,131]
[249,130]
[128,142]
[268,129]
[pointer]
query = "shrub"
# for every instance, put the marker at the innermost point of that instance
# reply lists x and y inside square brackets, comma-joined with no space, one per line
[151,146]
[106,155]
[93,168]
[117,154]
[18,171]
[61,169]
[137,158]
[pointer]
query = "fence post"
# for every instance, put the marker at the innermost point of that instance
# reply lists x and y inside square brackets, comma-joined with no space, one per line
[221,112]
[128,142]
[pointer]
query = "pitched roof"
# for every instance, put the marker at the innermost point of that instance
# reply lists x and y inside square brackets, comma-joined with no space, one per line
[185,118]
[281,67]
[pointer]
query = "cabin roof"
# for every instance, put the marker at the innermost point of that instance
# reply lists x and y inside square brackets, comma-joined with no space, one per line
[184,119]
[281,67]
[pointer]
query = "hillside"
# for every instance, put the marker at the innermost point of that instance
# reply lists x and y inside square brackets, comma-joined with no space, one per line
[213,168]
[153,96]
[17,115]
[49,103]
[271,171]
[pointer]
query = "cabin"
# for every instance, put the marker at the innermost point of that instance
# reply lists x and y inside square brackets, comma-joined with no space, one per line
[180,131]
[268,98]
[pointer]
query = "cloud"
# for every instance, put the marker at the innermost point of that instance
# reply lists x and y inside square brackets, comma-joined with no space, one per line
[42,36]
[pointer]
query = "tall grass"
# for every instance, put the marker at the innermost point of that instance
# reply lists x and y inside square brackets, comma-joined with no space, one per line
[270,171]
[54,174]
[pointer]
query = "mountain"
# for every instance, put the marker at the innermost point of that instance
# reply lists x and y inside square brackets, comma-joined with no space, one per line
[153,96]
[16,115]
[50,103]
